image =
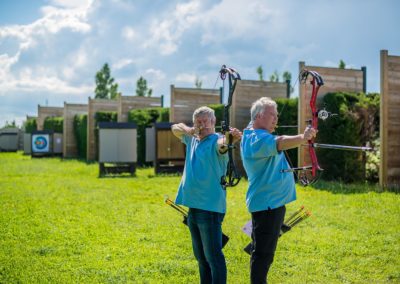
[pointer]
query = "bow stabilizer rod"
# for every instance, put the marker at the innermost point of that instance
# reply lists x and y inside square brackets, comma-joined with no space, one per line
[342,147]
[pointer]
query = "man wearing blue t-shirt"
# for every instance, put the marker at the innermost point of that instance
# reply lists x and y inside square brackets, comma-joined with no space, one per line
[269,188]
[200,190]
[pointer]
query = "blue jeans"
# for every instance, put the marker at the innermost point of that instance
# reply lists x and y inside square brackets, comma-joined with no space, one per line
[205,229]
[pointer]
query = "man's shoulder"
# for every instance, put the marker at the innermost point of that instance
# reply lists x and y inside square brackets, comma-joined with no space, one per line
[257,134]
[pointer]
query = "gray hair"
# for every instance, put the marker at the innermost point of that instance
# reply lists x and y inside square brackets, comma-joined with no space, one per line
[259,106]
[204,111]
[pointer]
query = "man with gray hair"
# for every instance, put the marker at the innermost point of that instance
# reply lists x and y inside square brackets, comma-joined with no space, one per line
[270,188]
[201,190]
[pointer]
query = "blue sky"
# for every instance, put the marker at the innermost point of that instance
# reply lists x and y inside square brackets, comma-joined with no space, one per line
[50,50]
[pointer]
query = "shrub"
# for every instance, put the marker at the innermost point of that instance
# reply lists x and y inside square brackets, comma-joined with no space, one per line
[30,125]
[54,123]
[355,124]
[287,110]
[80,131]
[145,118]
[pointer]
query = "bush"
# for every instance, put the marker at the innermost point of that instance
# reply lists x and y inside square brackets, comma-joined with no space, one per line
[287,110]
[105,116]
[219,113]
[54,123]
[355,124]
[145,118]
[80,131]
[30,125]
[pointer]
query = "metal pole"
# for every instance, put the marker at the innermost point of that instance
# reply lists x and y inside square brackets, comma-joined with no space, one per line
[288,89]
[364,70]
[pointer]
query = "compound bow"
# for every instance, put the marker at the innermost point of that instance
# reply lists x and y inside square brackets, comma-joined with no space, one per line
[232,176]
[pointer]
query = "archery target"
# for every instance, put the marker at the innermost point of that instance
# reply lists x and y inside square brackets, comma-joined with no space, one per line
[40,143]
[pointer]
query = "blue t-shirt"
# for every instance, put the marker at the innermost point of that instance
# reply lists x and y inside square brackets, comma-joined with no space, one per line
[200,186]
[268,186]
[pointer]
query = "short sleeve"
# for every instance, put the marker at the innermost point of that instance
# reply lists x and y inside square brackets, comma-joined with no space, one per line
[259,146]
[186,139]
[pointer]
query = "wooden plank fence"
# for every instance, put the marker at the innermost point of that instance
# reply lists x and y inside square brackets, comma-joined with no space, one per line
[389,174]
[46,111]
[184,101]
[70,148]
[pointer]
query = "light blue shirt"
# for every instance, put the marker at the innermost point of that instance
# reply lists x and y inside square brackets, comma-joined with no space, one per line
[268,186]
[200,186]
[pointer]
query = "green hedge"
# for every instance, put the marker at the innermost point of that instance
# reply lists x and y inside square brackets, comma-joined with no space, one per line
[145,118]
[219,113]
[105,116]
[356,124]
[287,110]
[80,131]
[54,123]
[30,125]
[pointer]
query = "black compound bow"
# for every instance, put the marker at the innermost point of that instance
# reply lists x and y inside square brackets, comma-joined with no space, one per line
[232,176]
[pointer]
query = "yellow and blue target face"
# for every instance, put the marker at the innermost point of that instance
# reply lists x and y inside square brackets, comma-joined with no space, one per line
[40,143]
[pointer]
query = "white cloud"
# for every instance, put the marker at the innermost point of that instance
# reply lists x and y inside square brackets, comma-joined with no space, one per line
[166,33]
[240,20]
[122,63]
[72,4]
[56,19]
[5,64]
[185,78]
[129,33]
[156,74]
[41,79]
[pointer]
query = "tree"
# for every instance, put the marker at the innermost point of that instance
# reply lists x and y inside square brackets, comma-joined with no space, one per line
[260,73]
[342,64]
[141,88]
[198,83]
[11,124]
[105,86]
[274,77]
[287,76]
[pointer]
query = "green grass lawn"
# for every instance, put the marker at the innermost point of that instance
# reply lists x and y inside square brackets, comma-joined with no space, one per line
[60,223]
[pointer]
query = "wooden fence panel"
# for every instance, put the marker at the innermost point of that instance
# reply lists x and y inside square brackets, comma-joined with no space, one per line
[389,172]
[184,101]
[247,92]
[45,111]
[70,148]
[128,103]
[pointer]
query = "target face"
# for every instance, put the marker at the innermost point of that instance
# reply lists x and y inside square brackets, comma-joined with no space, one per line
[40,143]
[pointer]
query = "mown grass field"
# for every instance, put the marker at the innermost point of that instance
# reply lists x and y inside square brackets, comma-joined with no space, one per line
[60,223]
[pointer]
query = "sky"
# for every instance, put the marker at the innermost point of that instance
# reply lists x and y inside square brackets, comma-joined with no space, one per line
[50,50]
